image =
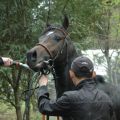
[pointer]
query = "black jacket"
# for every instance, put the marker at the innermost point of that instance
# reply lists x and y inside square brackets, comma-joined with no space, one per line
[85,103]
[1,61]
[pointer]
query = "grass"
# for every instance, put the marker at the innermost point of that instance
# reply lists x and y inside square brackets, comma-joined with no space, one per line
[8,113]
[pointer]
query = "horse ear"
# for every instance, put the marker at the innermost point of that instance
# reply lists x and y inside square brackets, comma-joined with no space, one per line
[65,22]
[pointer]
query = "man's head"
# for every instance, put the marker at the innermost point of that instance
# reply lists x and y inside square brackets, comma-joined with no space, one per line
[81,68]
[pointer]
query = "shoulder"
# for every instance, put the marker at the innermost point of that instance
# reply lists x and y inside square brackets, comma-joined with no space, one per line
[69,93]
[103,96]
[74,95]
[73,92]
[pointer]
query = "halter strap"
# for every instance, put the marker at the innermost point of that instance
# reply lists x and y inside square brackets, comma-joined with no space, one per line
[48,51]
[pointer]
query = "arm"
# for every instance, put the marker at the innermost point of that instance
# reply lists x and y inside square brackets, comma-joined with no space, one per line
[60,107]
[5,61]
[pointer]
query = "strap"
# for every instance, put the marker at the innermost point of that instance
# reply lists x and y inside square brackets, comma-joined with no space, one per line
[46,49]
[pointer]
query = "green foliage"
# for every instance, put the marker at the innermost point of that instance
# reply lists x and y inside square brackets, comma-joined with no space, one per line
[22,21]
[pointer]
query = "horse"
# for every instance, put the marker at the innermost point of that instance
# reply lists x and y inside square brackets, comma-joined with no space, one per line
[113,91]
[55,50]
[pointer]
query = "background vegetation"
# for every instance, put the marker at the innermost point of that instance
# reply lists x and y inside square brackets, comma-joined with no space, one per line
[94,24]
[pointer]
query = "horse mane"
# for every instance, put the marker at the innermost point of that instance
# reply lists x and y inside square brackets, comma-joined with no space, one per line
[100,79]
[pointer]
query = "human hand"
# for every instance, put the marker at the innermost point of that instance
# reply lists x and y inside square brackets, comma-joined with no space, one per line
[43,80]
[7,61]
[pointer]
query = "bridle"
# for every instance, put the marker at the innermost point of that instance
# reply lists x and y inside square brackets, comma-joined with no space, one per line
[50,63]
[48,51]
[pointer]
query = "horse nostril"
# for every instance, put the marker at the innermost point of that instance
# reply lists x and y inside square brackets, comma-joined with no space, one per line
[32,57]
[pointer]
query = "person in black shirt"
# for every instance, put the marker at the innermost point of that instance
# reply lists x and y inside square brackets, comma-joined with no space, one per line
[86,102]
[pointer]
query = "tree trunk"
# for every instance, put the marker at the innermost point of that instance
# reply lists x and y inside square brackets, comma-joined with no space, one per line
[17,95]
[26,115]
[17,106]
[28,95]
[109,71]
[107,47]
[34,103]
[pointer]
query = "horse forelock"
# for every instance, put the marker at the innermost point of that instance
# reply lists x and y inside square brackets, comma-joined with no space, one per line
[52,27]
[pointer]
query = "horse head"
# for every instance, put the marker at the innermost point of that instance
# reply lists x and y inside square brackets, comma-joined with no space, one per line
[55,49]
[51,47]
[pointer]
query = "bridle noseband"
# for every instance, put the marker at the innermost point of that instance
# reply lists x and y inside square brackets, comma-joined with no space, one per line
[48,51]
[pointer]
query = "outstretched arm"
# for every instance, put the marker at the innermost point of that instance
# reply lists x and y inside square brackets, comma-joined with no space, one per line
[60,107]
[5,61]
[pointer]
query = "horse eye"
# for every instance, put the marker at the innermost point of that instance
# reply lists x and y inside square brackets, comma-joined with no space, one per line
[57,38]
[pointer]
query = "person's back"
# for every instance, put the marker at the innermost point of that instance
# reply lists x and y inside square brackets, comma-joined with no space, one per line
[89,103]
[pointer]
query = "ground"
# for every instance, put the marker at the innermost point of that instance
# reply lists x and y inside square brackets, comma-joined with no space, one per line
[8,113]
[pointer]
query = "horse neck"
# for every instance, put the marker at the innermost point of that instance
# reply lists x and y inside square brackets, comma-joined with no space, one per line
[63,82]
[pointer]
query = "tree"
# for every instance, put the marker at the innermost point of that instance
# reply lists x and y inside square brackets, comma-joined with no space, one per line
[22,22]
[108,33]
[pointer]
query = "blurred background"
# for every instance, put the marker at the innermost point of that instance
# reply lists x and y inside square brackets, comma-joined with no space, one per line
[94,29]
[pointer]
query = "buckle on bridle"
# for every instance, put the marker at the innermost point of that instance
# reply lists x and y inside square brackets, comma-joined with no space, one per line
[49,64]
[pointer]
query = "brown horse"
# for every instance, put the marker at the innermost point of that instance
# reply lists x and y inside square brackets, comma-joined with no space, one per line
[55,52]
[56,48]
